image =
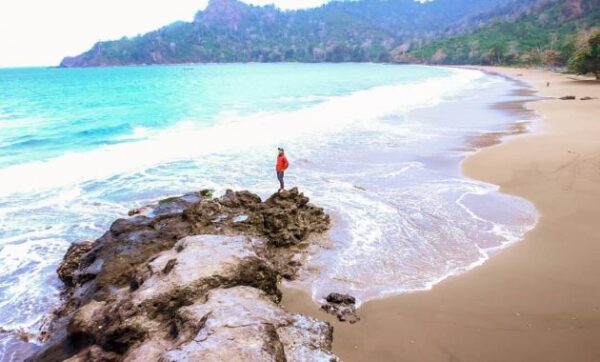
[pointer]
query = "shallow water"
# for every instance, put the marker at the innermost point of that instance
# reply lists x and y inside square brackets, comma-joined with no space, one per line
[405,216]
[376,145]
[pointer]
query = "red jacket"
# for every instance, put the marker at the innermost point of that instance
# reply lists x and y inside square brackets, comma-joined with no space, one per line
[282,163]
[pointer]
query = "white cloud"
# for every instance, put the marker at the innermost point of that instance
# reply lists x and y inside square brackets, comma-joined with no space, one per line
[41,32]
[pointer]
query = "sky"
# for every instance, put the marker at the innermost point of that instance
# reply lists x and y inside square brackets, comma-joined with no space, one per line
[42,32]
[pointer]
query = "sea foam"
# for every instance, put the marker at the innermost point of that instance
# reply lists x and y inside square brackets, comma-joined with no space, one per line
[188,140]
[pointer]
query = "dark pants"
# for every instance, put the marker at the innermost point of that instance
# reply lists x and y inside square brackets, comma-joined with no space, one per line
[280,178]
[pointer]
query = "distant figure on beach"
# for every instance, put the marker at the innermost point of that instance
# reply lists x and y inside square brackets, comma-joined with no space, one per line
[547,84]
[282,165]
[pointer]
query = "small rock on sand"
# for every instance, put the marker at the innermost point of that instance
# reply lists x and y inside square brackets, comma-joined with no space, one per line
[343,306]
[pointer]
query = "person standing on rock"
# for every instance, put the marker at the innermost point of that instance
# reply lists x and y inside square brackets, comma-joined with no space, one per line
[282,165]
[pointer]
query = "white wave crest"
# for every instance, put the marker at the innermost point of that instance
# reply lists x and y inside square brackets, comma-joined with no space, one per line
[188,140]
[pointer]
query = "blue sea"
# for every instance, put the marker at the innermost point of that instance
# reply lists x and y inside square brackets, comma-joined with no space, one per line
[379,146]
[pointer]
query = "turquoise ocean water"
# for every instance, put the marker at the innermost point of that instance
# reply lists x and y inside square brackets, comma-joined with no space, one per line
[379,146]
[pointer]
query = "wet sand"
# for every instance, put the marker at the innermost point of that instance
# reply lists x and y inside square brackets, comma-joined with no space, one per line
[538,300]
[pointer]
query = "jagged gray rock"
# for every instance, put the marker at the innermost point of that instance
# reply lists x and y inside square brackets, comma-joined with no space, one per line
[240,324]
[72,259]
[195,280]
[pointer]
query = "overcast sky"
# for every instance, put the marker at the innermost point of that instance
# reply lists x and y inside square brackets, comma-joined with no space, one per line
[42,32]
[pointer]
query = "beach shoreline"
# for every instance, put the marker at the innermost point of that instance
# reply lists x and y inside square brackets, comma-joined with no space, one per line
[538,299]
[447,165]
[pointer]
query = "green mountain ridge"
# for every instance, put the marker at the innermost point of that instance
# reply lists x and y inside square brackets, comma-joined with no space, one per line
[232,31]
[439,31]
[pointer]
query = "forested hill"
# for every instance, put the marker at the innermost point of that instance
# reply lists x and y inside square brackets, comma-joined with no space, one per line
[364,30]
[439,31]
[546,34]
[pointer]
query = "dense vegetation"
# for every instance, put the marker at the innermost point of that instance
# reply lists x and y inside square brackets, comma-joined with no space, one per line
[232,31]
[529,32]
[587,58]
[546,34]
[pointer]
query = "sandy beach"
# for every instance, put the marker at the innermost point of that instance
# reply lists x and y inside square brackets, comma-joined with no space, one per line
[538,300]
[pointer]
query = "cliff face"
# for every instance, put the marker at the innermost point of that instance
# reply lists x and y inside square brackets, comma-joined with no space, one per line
[232,31]
[194,278]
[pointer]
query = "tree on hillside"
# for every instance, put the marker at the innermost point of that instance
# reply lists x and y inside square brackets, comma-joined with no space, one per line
[587,58]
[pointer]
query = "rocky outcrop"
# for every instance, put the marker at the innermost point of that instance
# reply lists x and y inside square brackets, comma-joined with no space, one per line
[71,261]
[239,323]
[194,278]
